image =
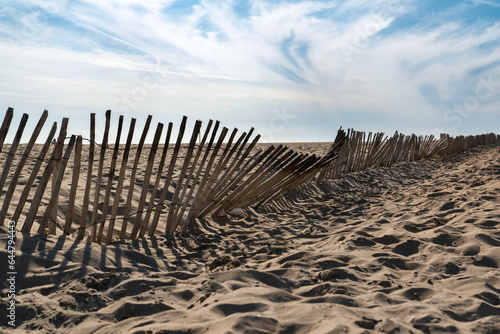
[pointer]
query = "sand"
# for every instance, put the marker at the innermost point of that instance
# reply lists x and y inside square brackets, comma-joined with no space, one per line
[410,249]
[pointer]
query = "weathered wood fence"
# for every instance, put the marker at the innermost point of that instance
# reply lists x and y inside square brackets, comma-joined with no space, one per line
[126,191]
[112,196]
[363,151]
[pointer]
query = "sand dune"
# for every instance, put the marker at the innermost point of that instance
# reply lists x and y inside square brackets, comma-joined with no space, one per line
[410,249]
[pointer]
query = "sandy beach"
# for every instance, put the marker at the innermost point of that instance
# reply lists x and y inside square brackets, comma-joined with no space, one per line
[414,248]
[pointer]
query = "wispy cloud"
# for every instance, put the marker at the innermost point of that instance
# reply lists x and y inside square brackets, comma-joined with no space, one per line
[404,63]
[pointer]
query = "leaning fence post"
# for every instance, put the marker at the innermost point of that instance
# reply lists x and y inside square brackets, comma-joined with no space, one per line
[53,217]
[157,182]
[88,183]
[145,182]
[128,205]
[178,187]
[121,177]
[199,197]
[55,192]
[97,193]
[74,185]
[171,168]
[111,175]
[12,152]
[56,153]
[4,129]
[223,160]
[179,210]
[195,181]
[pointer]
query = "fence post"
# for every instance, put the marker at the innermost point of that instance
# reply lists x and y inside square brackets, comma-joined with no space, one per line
[157,182]
[171,168]
[74,185]
[111,175]
[179,210]
[97,193]
[145,181]
[56,154]
[4,129]
[178,187]
[88,183]
[121,177]
[128,205]
[55,193]
[199,197]
[12,152]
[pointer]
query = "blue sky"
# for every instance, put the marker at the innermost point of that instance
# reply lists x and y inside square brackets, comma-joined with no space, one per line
[294,70]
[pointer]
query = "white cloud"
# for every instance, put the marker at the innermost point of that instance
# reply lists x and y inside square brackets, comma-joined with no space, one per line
[281,54]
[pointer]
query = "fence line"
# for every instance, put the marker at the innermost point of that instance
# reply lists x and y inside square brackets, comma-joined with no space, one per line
[210,177]
[377,150]
[127,199]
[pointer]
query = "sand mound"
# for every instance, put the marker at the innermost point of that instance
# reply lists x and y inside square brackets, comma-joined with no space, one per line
[410,249]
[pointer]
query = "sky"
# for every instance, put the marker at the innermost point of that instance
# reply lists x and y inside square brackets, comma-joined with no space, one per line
[293,70]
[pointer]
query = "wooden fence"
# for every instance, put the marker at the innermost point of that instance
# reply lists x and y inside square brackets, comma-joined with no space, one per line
[363,151]
[108,191]
[114,195]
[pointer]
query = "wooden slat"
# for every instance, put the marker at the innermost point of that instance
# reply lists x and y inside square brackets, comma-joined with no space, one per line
[298,173]
[219,190]
[200,193]
[74,185]
[111,175]
[281,172]
[197,180]
[40,190]
[283,182]
[266,170]
[12,151]
[171,167]
[88,184]
[246,169]
[156,190]
[272,153]
[183,199]
[4,129]
[55,192]
[201,201]
[53,215]
[145,181]
[235,175]
[130,195]
[237,160]
[182,179]
[208,191]
[100,170]
[119,186]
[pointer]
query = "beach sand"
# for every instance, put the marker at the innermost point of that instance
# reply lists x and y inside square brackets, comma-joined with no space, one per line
[414,248]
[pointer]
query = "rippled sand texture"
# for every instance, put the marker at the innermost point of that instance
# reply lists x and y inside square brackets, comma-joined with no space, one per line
[410,249]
